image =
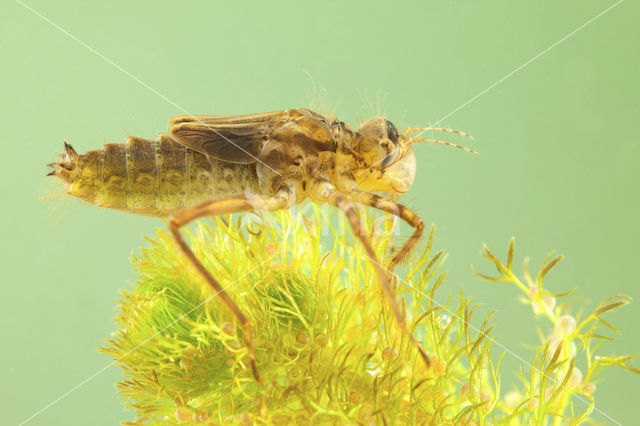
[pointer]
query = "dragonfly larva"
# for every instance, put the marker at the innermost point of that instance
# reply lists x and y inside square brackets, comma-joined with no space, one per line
[212,165]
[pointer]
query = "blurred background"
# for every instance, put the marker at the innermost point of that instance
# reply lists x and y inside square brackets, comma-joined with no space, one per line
[558,164]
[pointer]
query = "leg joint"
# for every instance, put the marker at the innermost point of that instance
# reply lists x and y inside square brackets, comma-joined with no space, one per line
[174,223]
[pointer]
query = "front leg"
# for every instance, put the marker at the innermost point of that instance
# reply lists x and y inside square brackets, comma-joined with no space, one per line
[221,206]
[396,209]
[348,186]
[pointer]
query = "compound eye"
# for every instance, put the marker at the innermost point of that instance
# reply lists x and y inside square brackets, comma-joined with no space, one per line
[392,153]
[392,132]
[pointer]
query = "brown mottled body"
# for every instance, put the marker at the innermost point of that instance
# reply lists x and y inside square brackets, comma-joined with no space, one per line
[153,178]
[217,165]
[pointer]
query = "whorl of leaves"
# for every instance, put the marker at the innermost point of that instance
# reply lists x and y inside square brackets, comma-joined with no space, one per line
[327,346]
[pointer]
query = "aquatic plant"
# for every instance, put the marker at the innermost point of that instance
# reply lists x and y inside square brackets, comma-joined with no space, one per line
[327,345]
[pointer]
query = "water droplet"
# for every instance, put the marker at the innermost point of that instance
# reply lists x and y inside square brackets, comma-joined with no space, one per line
[228,328]
[389,353]
[565,326]
[443,321]
[302,338]
[322,339]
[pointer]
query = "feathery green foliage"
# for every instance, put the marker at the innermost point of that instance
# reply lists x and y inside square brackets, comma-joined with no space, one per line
[327,345]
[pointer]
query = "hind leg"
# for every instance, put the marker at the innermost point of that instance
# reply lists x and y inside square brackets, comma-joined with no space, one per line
[217,207]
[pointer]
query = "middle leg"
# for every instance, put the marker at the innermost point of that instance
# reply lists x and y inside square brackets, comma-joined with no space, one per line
[324,190]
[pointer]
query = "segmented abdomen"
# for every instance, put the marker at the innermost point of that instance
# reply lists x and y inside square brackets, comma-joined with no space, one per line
[153,178]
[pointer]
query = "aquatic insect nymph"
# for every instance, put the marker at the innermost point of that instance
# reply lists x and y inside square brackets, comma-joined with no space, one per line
[213,165]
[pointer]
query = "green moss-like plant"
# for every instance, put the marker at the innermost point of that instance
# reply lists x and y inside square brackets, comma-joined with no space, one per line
[327,346]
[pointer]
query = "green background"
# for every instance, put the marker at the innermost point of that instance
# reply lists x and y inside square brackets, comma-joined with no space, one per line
[558,141]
